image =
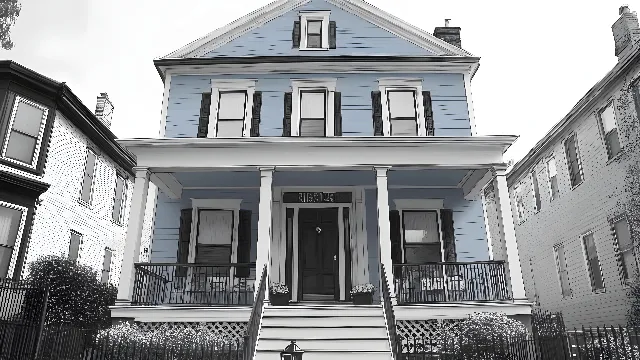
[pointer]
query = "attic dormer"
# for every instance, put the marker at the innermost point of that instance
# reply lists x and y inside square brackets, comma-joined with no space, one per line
[314,31]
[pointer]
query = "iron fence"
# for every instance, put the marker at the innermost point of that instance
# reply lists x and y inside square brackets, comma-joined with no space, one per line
[451,282]
[467,349]
[194,284]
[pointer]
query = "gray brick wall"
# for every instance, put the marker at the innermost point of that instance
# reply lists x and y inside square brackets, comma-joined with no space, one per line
[606,191]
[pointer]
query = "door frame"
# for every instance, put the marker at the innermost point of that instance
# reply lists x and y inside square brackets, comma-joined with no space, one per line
[280,232]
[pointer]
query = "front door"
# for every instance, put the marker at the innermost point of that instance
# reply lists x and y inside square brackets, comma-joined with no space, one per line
[318,243]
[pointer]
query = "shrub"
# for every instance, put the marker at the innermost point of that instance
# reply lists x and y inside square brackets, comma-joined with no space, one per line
[609,343]
[76,296]
[363,289]
[278,288]
[633,316]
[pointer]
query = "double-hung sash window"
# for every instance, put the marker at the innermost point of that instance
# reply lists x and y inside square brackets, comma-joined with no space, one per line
[24,133]
[12,219]
[313,112]
[87,179]
[231,108]
[622,236]
[403,112]
[106,265]
[563,272]
[314,34]
[537,202]
[315,31]
[610,130]
[573,160]
[519,204]
[313,107]
[75,243]
[119,199]
[421,236]
[553,179]
[593,263]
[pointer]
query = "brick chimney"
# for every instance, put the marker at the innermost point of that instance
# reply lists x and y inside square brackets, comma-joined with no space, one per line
[626,31]
[104,109]
[450,34]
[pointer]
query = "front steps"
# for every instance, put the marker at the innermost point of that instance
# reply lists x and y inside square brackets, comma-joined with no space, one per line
[323,332]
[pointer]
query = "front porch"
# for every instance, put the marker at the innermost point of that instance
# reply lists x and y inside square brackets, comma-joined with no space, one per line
[318,228]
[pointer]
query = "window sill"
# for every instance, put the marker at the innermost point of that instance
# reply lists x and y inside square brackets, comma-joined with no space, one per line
[576,185]
[615,158]
[314,49]
[598,292]
[84,203]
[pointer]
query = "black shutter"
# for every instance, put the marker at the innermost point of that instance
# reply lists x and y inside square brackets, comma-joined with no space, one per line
[376,106]
[255,113]
[448,235]
[337,114]
[428,112]
[332,34]
[396,241]
[203,123]
[286,121]
[184,236]
[296,34]
[244,244]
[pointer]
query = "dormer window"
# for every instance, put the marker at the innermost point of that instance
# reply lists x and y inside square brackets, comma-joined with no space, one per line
[314,31]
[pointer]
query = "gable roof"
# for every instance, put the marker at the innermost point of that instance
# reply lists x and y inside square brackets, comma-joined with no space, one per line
[360,8]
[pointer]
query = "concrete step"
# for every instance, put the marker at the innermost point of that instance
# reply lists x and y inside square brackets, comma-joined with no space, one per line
[322,311]
[329,321]
[329,355]
[299,333]
[381,344]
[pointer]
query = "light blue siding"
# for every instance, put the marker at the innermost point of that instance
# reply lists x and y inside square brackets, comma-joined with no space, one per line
[354,36]
[451,116]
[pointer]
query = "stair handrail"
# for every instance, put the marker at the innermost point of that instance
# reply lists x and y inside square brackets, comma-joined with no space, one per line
[389,316]
[253,327]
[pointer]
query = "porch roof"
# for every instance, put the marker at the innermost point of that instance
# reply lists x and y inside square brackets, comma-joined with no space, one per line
[196,154]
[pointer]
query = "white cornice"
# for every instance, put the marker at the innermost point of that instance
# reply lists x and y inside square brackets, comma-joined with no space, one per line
[358,8]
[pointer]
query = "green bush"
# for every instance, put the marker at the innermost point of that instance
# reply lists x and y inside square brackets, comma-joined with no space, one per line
[633,319]
[76,296]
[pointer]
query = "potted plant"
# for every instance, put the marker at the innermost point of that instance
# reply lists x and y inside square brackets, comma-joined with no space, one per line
[278,294]
[362,294]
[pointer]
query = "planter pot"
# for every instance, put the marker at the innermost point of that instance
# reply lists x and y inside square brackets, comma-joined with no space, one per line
[279,299]
[362,299]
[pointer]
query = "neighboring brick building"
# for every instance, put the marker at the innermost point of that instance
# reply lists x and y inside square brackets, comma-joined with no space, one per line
[575,197]
[69,193]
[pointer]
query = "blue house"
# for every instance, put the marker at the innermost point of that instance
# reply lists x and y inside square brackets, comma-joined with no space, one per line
[317,146]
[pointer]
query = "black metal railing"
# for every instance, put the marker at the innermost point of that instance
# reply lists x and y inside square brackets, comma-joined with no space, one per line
[451,282]
[463,348]
[390,318]
[194,284]
[253,327]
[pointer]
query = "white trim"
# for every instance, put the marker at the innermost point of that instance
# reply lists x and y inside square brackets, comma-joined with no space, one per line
[168,184]
[341,252]
[93,177]
[165,104]
[220,85]
[271,11]
[469,97]
[43,123]
[586,261]
[298,85]
[387,84]
[419,204]
[323,16]
[18,240]
[460,310]
[566,269]
[486,223]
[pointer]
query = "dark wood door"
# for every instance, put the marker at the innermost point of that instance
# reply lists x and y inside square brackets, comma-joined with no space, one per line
[318,243]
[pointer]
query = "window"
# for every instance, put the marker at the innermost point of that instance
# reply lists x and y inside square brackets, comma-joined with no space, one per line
[214,236]
[313,104]
[537,204]
[24,133]
[610,130]
[573,160]
[553,178]
[622,236]
[12,219]
[421,237]
[314,30]
[231,108]
[403,115]
[87,180]
[403,111]
[106,265]
[593,264]
[519,204]
[563,272]
[119,199]
[74,245]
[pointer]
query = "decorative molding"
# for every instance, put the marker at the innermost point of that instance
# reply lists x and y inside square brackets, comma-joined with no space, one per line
[419,204]
[165,104]
[322,15]
[168,184]
[222,204]
[35,187]
[469,97]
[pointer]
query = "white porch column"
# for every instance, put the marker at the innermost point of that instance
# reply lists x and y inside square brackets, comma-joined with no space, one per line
[134,234]
[264,226]
[503,203]
[384,227]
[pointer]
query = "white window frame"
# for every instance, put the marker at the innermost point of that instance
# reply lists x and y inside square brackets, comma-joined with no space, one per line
[214,204]
[221,85]
[566,267]
[436,205]
[387,84]
[619,251]
[610,102]
[18,241]
[93,177]
[323,16]
[533,189]
[81,236]
[517,195]
[108,271]
[586,261]
[298,85]
[123,198]
[43,122]
[578,159]
[547,161]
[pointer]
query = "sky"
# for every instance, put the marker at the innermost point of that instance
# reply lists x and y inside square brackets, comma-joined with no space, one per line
[538,58]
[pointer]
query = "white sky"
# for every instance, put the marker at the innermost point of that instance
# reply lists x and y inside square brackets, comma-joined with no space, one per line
[538,57]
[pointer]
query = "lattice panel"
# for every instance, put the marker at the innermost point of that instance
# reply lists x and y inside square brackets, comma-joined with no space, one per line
[230,330]
[425,329]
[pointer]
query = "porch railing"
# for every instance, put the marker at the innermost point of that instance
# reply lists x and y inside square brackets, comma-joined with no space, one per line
[390,318]
[451,282]
[194,284]
[253,328]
